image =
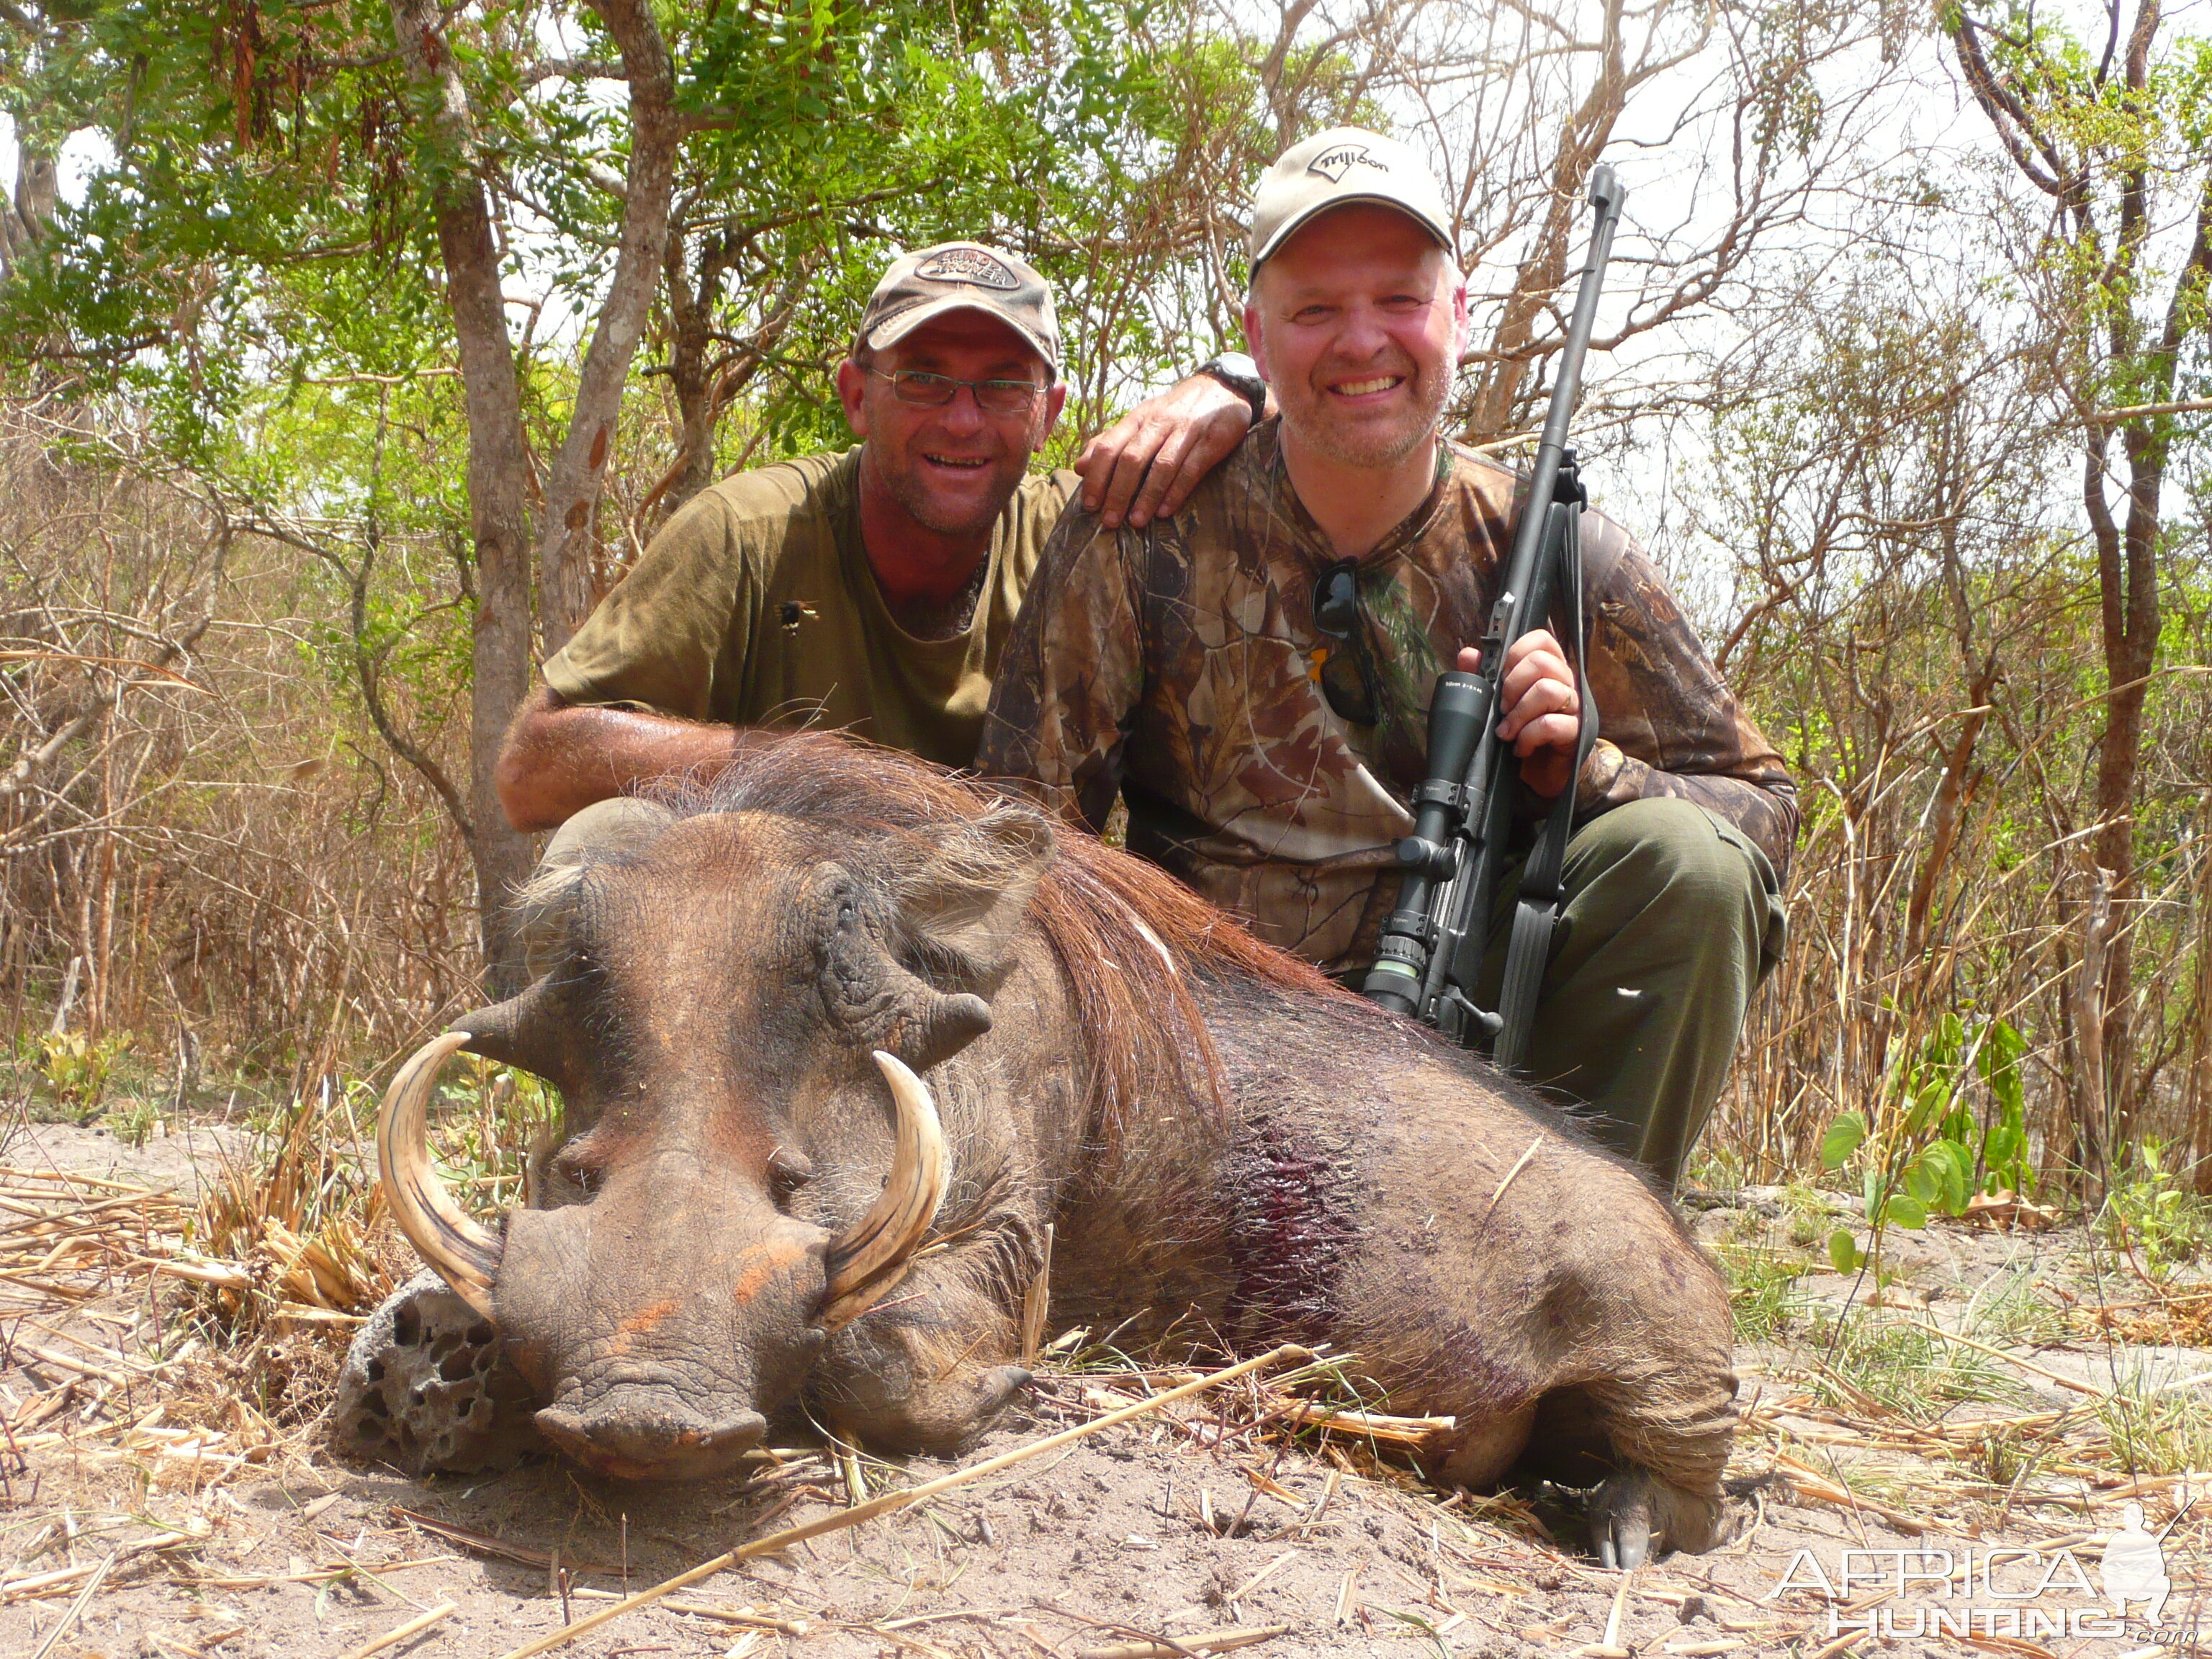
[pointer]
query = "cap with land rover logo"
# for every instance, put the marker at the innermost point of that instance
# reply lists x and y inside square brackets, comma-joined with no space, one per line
[1343,165]
[961,276]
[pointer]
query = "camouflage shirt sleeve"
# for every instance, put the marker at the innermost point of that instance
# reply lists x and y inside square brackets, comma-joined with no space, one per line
[1068,687]
[1671,726]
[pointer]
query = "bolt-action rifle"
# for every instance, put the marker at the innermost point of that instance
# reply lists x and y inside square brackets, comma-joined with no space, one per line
[1430,954]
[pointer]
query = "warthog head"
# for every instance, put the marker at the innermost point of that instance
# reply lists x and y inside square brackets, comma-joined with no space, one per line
[742,1008]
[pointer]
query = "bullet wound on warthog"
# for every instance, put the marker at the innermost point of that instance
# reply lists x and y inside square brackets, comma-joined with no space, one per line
[838,948]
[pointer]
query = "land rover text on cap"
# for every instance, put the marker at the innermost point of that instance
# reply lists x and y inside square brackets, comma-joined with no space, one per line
[1344,164]
[961,276]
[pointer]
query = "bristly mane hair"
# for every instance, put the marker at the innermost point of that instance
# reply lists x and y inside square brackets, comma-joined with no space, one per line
[1128,938]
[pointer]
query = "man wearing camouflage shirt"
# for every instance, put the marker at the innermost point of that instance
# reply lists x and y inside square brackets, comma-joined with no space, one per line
[1252,674]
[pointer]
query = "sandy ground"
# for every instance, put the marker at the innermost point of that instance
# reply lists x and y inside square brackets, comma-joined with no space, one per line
[1096,1548]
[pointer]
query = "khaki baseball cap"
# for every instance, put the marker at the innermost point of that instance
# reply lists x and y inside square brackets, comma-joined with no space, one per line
[1343,165]
[961,276]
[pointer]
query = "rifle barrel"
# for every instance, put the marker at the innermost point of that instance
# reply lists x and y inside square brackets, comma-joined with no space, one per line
[1606,195]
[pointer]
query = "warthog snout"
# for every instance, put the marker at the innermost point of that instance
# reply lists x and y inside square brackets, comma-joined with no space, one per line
[639,1425]
[660,1317]
[659,1325]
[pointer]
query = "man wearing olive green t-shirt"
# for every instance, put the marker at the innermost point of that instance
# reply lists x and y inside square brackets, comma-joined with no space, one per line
[873,591]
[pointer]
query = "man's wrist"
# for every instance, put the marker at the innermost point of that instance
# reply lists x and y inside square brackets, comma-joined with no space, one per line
[1237,372]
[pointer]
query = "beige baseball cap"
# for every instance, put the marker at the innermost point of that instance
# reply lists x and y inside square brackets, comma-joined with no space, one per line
[1344,165]
[961,276]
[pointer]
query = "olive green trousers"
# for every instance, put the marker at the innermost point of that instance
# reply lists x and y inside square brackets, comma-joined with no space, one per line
[1672,919]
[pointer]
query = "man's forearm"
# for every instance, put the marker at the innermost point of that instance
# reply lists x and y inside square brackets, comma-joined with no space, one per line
[560,757]
[1764,808]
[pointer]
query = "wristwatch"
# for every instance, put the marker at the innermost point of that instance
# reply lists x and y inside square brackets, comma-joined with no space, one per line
[1241,376]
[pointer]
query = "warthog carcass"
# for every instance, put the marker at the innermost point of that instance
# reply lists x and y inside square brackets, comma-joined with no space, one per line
[840,1036]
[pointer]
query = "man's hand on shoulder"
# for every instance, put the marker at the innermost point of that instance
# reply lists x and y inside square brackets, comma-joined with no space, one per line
[1543,709]
[1146,464]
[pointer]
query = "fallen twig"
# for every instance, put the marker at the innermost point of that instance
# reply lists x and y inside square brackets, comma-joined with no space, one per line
[887,1502]
[1261,1576]
[70,1617]
[415,1626]
[1608,1645]
[39,1585]
[1215,1641]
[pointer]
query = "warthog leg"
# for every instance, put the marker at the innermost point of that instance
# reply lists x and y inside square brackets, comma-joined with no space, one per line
[1482,1453]
[932,1366]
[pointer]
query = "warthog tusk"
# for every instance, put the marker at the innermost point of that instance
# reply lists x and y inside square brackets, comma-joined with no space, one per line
[462,1252]
[872,1256]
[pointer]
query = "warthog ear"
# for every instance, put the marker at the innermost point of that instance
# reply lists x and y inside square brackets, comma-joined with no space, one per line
[966,902]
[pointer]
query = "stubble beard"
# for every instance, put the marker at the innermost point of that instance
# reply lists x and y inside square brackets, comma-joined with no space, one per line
[923,507]
[903,482]
[1312,423]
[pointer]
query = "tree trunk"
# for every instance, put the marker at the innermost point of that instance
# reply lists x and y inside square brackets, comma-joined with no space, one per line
[23,220]
[2197,1096]
[564,587]
[2094,1109]
[2127,586]
[498,482]
[691,323]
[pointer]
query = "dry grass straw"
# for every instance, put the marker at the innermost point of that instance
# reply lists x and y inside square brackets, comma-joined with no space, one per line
[171,1344]
[295,1233]
[1964,1469]
[74,1241]
[222,1296]
[888,1502]
[1249,1421]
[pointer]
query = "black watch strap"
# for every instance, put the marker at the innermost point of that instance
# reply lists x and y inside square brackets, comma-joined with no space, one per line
[1241,376]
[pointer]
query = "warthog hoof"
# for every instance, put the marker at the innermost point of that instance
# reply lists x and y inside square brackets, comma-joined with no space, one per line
[998,1387]
[1633,1514]
[426,1388]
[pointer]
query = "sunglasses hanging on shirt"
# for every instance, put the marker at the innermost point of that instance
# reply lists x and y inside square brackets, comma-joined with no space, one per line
[1345,669]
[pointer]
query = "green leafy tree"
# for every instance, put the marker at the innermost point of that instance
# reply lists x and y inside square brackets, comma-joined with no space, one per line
[2117,138]
[354,191]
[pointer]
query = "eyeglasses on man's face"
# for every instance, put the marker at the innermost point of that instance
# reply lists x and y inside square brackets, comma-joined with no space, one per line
[924,390]
[1345,670]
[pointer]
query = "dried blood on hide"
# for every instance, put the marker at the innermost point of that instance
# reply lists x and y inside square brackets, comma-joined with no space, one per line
[1291,1227]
